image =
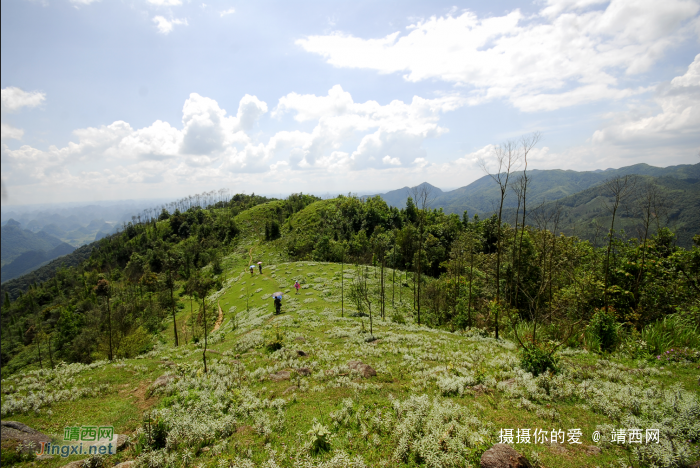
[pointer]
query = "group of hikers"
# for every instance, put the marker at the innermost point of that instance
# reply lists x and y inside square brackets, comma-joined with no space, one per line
[277,296]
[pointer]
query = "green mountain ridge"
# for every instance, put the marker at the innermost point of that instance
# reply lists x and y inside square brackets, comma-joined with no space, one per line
[482,196]
[16,241]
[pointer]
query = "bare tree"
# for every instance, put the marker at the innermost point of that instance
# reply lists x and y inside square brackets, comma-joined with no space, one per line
[527,143]
[423,196]
[507,159]
[620,189]
[360,294]
[652,205]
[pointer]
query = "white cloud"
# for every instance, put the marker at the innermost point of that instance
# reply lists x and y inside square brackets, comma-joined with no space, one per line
[13,98]
[574,51]
[679,116]
[166,26]
[211,145]
[165,2]
[388,160]
[8,131]
[374,131]
[230,11]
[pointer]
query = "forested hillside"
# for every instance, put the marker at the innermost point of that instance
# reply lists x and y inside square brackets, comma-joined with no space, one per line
[482,196]
[459,326]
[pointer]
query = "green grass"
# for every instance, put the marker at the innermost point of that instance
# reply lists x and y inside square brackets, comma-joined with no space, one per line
[331,341]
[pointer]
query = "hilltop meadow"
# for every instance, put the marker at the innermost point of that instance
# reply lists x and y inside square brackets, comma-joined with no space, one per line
[417,338]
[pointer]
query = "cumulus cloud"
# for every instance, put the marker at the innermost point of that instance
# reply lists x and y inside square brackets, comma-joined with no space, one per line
[166,26]
[572,52]
[676,116]
[396,129]
[10,132]
[207,128]
[210,145]
[14,98]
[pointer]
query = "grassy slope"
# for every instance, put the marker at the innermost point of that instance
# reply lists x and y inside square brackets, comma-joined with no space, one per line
[407,359]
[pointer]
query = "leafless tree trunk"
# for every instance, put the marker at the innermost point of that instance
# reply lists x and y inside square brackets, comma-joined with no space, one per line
[652,205]
[507,158]
[620,189]
[423,196]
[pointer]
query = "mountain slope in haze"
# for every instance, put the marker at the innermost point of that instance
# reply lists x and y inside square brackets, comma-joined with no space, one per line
[16,241]
[398,197]
[31,260]
[585,214]
[483,195]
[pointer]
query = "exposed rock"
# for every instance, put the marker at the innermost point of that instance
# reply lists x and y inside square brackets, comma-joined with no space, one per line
[281,375]
[509,382]
[290,389]
[480,388]
[300,339]
[161,381]
[301,353]
[122,441]
[213,351]
[560,449]
[126,464]
[167,363]
[13,430]
[75,464]
[503,456]
[363,369]
[205,449]
[304,371]
[593,450]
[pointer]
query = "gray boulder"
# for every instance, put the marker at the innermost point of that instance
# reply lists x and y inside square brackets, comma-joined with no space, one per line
[503,456]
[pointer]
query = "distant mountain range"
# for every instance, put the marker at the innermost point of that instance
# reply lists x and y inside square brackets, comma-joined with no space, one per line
[579,194]
[24,251]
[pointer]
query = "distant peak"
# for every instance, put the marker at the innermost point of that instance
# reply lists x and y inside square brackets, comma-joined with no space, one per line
[12,222]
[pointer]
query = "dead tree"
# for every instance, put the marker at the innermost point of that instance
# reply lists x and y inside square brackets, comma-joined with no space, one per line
[507,158]
[423,196]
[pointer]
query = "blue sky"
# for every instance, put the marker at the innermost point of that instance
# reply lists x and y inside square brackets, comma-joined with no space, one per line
[163,98]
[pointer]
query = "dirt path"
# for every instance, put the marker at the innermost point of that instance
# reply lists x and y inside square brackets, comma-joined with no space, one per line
[220,319]
[251,255]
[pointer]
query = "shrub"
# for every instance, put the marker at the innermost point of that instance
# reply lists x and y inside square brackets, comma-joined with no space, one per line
[275,341]
[679,355]
[604,327]
[398,317]
[320,438]
[13,453]
[537,359]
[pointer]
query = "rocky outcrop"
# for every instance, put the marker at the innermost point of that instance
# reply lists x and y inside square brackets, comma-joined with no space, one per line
[281,375]
[365,370]
[13,430]
[503,456]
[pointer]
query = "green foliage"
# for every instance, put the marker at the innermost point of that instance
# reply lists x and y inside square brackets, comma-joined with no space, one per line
[154,433]
[320,438]
[274,340]
[13,453]
[538,358]
[673,331]
[604,328]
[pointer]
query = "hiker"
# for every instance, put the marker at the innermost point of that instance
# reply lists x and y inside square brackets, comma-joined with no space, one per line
[260,267]
[278,305]
[251,270]
[297,286]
